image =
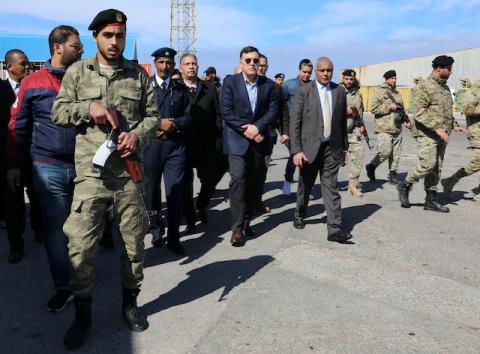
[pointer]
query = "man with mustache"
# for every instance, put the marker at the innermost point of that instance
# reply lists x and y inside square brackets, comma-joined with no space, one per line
[166,155]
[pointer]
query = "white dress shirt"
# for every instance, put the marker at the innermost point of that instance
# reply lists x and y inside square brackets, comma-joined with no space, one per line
[15,85]
[160,81]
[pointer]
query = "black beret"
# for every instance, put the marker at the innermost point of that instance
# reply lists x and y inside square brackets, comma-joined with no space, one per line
[106,17]
[210,70]
[389,74]
[349,72]
[442,60]
[280,75]
[164,52]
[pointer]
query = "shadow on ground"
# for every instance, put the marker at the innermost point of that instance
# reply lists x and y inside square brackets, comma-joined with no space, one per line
[207,279]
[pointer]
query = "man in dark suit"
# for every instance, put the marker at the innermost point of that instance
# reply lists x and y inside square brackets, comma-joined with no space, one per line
[166,154]
[12,199]
[200,140]
[318,138]
[249,108]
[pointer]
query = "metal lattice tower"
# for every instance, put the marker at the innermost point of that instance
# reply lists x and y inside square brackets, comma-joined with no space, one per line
[182,27]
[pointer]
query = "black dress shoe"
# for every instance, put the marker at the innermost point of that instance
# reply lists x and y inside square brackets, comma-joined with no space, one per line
[177,248]
[248,231]
[15,257]
[189,229]
[339,237]
[157,241]
[262,208]
[298,223]
[202,215]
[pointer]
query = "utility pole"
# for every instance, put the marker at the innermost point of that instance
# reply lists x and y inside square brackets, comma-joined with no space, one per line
[182,26]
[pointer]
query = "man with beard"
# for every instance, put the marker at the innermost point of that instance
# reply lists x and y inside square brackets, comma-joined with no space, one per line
[200,140]
[386,105]
[355,145]
[34,139]
[103,93]
[433,123]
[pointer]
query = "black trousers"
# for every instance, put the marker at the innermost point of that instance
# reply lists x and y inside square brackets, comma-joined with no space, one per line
[14,209]
[166,157]
[207,174]
[327,166]
[246,185]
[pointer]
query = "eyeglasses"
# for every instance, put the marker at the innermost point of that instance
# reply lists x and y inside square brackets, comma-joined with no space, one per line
[249,60]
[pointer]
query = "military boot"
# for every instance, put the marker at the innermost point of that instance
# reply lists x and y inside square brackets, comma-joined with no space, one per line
[393,178]
[432,204]
[403,191]
[77,333]
[130,312]
[370,172]
[353,188]
[449,183]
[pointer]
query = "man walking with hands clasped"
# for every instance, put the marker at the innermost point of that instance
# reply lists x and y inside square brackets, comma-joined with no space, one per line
[318,135]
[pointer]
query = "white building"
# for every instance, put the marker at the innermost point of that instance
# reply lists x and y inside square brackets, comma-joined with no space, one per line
[467,65]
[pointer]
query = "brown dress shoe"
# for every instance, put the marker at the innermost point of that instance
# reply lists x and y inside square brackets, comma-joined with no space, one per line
[237,239]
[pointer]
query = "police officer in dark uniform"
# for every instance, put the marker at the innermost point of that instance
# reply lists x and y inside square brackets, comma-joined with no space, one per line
[166,154]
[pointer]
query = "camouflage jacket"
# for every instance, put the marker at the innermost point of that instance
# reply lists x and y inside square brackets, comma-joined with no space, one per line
[432,108]
[471,109]
[380,107]
[128,89]
[354,99]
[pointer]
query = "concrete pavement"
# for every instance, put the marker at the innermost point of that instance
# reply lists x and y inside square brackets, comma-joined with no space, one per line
[408,284]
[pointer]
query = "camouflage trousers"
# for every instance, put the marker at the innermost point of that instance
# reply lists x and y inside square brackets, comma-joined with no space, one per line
[355,148]
[84,228]
[389,147]
[429,167]
[474,164]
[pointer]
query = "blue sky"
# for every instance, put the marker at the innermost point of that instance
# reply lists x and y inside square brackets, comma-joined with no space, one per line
[350,32]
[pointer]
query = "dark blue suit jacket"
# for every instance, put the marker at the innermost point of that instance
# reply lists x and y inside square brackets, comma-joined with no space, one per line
[236,111]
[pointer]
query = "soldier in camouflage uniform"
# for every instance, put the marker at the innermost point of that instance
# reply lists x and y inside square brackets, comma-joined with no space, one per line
[433,123]
[89,89]
[471,109]
[355,145]
[389,131]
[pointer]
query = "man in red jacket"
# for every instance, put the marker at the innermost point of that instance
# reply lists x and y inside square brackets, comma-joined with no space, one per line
[34,140]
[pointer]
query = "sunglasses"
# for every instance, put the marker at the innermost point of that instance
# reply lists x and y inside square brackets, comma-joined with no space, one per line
[249,60]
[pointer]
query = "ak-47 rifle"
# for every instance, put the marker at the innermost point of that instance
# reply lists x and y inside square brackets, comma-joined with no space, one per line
[402,116]
[132,162]
[359,122]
